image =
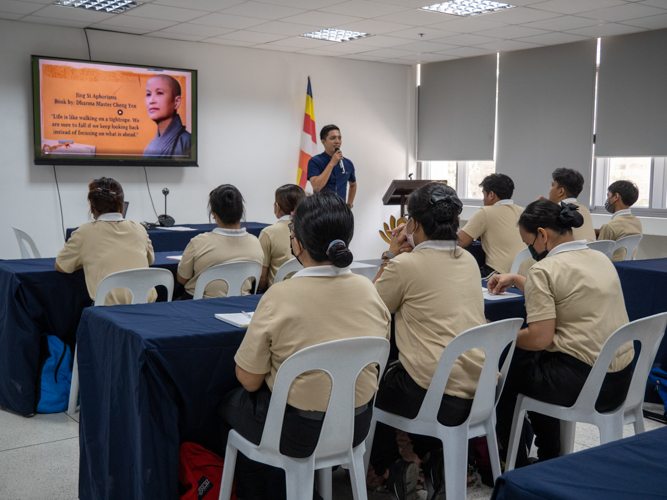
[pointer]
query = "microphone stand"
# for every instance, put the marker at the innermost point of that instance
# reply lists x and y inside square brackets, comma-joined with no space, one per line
[164,219]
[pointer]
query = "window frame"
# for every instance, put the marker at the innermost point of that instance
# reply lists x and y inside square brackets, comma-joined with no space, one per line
[461,180]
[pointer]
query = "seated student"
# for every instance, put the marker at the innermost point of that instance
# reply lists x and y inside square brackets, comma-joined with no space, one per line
[226,243]
[340,305]
[574,303]
[436,293]
[275,239]
[163,98]
[621,195]
[107,245]
[496,225]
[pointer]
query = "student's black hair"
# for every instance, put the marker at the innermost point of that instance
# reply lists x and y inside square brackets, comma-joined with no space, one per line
[105,196]
[628,191]
[436,207]
[326,129]
[226,202]
[173,84]
[288,197]
[500,184]
[324,225]
[560,218]
[571,180]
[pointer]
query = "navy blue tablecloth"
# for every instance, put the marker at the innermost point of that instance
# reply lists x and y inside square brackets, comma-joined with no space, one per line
[165,240]
[152,377]
[631,468]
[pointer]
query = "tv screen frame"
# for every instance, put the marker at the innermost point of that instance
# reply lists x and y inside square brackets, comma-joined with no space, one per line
[62,159]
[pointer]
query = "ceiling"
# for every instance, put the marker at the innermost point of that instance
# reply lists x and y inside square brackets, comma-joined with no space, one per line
[403,34]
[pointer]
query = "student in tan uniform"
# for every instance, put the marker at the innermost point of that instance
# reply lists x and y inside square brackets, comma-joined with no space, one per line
[566,185]
[107,245]
[496,225]
[574,303]
[436,293]
[228,242]
[621,195]
[275,239]
[340,305]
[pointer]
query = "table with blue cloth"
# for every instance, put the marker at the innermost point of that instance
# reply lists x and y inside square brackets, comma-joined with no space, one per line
[37,299]
[167,240]
[631,468]
[152,377]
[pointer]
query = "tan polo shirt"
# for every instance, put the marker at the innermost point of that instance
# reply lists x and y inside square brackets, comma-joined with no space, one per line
[106,246]
[580,289]
[319,304]
[217,247]
[437,294]
[622,224]
[276,246]
[587,231]
[497,227]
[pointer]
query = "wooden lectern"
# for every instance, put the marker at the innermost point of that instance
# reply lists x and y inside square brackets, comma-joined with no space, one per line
[399,191]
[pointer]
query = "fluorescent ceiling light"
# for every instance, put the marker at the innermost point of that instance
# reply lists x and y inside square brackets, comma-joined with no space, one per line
[111,6]
[467,8]
[336,35]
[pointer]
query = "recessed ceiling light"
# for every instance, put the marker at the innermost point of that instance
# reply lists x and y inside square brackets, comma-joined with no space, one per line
[468,8]
[336,35]
[111,6]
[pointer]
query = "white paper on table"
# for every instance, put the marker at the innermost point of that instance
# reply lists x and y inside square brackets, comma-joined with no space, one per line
[505,295]
[239,320]
[177,228]
[174,257]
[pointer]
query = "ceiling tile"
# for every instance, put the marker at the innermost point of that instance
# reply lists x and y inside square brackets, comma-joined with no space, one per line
[576,6]
[361,57]
[321,19]
[15,7]
[164,12]
[606,30]
[317,52]
[411,4]
[302,43]
[251,36]
[655,3]
[519,15]
[345,48]
[510,32]
[397,61]
[381,41]
[376,27]
[413,17]
[362,8]
[281,28]
[121,29]
[652,23]
[468,25]
[228,21]
[421,34]
[303,4]
[55,22]
[390,53]
[562,23]
[175,36]
[523,2]
[271,46]
[624,13]
[197,30]
[262,10]
[137,23]
[469,52]
[505,45]
[56,12]
[466,39]
[220,41]
[426,58]
[10,16]
[553,38]
[205,5]
[426,47]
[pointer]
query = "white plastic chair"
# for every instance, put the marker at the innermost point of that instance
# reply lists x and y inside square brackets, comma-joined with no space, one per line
[604,246]
[630,243]
[520,257]
[291,266]
[140,282]
[493,338]
[233,273]
[649,331]
[343,360]
[25,241]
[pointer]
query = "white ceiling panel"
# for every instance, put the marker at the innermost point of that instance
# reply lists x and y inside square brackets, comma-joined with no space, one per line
[250,36]
[623,13]
[10,16]
[317,52]
[510,32]
[466,39]
[362,8]
[390,53]
[222,41]
[197,30]
[655,3]
[262,10]
[414,17]
[164,12]
[73,14]
[302,43]
[651,23]
[55,22]
[427,47]
[376,27]
[610,29]
[303,4]
[135,23]
[421,33]
[205,5]
[397,61]
[361,57]
[520,15]
[176,36]
[321,19]
[381,41]
[576,6]
[426,58]
[228,21]
[469,52]
[504,45]
[562,23]
[16,7]
[553,38]
[281,28]
[345,48]
[271,46]
[468,25]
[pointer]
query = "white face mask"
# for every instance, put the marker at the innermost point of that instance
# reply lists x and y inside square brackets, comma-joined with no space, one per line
[411,237]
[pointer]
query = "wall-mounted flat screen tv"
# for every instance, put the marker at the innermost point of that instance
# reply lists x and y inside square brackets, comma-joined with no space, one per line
[98,113]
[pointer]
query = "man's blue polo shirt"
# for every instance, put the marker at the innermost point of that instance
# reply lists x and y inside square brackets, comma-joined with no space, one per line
[337,180]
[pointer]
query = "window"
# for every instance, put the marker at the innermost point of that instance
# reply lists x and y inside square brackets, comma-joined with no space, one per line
[464,176]
[647,173]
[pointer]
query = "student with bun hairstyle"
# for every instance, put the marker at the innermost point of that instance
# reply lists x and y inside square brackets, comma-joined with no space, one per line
[275,239]
[107,245]
[228,242]
[322,302]
[574,302]
[434,288]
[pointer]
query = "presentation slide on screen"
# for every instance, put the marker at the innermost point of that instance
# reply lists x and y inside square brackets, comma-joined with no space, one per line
[104,111]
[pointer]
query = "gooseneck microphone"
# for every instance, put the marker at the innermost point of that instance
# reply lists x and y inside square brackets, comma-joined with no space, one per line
[340,163]
[164,219]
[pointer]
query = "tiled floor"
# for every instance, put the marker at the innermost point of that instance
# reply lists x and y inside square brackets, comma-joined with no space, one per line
[39,458]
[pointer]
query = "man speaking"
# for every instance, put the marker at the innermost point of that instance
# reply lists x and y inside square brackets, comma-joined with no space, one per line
[329,169]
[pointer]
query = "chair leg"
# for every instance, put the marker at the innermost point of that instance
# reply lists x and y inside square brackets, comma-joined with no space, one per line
[492,444]
[228,473]
[611,430]
[455,449]
[567,432]
[515,434]
[325,483]
[74,387]
[300,479]
[369,444]
[639,419]
[358,474]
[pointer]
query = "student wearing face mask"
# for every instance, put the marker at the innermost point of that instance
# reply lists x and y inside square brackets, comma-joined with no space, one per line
[574,302]
[621,195]
[434,288]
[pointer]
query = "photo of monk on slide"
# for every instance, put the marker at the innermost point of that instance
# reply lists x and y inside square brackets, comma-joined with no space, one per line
[163,98]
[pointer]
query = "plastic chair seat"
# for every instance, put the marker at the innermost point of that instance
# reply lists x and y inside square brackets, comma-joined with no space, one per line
[630,243]
[24,240]
[520,257]
[291,266]
[604,246]
[233,273]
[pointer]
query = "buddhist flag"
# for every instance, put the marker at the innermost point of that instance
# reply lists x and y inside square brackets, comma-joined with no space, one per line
[308,140]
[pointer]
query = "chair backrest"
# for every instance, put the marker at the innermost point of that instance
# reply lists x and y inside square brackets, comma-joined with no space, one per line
[233,273]
[604,246]
[629,243]
[649,332]
[290,266]
[520,257]
[139,281]
[25,241]
[493,338]
[343,360]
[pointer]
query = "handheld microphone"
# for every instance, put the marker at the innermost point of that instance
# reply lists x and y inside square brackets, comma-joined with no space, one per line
[340,163]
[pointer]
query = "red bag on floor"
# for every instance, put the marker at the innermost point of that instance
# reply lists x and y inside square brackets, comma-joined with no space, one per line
[200,472]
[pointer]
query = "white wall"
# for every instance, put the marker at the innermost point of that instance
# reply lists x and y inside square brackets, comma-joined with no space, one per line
[251,105]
